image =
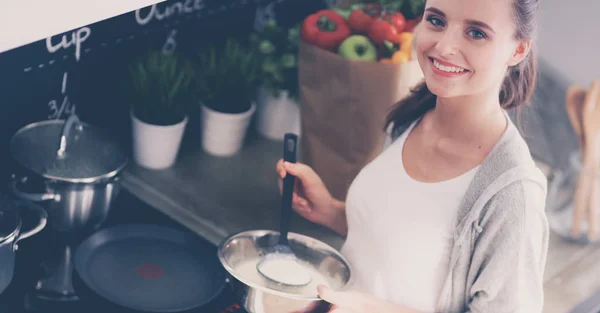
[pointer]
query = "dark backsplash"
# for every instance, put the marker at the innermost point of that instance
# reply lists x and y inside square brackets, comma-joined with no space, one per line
[44,79]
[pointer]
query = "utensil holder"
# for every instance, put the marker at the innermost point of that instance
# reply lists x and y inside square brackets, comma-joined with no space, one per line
[561,199]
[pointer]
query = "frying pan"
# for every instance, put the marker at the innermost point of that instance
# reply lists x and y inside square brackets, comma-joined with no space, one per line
[149,268]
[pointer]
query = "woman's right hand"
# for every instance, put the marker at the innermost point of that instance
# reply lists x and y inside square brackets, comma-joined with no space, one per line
[311,199]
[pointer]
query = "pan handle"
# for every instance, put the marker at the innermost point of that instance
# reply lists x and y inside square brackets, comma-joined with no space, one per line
[35,197]
[43,219]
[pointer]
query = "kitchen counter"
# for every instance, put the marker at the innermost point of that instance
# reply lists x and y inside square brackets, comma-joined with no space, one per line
[216,197]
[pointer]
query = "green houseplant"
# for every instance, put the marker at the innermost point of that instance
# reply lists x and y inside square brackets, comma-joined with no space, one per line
[159,92]
[227,80]
[161,88]
[228,75]
[278,111]
[278,52]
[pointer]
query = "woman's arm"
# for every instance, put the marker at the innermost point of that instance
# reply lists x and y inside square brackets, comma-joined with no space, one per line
[338,222]
[358,302]
[509,255]
[312,200]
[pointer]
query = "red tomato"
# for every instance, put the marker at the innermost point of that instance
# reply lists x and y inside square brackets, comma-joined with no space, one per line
[360,20]
[381,30]
[397,19]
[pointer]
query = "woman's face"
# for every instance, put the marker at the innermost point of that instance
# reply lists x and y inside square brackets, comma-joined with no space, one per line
[465,46]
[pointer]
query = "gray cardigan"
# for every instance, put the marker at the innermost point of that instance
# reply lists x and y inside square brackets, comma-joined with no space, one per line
[501,240]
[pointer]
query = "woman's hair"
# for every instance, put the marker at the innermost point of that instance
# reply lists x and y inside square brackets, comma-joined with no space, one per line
[516,90]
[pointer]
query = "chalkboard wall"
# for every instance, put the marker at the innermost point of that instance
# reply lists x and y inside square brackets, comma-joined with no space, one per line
[84,68]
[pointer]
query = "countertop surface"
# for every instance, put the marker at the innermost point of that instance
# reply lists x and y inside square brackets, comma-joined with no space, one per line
[216,197]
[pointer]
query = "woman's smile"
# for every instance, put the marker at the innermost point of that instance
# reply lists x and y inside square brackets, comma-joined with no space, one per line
[446,69]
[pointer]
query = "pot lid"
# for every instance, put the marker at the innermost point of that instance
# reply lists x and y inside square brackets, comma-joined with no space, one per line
[88,153]
[9,218]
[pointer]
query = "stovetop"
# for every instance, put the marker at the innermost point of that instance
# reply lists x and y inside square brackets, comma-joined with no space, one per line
[37,286]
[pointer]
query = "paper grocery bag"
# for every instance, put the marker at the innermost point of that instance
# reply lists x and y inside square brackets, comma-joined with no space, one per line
[344,105]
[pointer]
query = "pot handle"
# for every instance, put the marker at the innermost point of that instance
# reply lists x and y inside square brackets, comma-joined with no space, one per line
[35,197]
[43,215]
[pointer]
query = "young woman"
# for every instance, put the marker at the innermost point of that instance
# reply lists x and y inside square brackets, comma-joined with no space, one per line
[450,217]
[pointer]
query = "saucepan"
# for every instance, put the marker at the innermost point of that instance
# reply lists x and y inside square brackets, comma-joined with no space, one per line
[240,253]
[11,232]
[243,255]
[69,167]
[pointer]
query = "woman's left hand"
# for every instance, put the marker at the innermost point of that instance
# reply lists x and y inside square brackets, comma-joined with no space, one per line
[357,302]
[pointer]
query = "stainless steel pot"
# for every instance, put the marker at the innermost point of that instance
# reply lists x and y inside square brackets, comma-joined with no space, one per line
[11,232]
[71,168]
[258,295]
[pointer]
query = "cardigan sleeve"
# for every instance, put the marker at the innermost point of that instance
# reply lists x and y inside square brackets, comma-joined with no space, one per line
[509,254]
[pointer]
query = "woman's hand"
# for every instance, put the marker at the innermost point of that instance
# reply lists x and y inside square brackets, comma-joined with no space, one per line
[357,302]
[311,199]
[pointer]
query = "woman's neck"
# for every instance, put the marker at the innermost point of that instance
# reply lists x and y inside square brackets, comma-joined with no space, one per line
[469,117]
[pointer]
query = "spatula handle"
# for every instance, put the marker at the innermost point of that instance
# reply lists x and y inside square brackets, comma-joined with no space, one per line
[290,144]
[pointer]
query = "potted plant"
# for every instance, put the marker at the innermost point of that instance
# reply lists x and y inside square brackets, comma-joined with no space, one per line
[278,110]
[227,80]
[160,90]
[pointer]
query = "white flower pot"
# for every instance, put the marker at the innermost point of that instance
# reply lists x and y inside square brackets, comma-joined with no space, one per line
[156,146]
[277,116]
[223,134]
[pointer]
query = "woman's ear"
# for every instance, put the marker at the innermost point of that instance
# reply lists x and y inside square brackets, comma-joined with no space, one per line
[520,53]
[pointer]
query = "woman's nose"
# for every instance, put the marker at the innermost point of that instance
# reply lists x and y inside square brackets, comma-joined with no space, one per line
[448,44]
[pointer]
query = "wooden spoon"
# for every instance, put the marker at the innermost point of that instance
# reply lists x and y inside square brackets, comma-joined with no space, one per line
[590,129]
[575,98]
[574,106]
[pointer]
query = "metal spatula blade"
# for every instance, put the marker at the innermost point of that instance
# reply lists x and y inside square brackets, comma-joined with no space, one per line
[281,256]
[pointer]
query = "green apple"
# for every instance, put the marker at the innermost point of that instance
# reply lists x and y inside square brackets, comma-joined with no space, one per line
[358,47]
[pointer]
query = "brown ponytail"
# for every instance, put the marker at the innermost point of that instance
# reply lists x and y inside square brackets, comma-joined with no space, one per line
[516,90]
[412,107]
[519,83]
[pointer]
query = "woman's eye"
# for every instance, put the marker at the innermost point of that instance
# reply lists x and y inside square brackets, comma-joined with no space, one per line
[477,34]
[435,21]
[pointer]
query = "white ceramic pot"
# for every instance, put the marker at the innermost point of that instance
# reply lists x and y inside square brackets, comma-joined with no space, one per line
[277,116]
[223,134]
[156,146]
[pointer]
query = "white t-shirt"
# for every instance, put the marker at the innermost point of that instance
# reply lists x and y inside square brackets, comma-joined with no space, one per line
[400,230]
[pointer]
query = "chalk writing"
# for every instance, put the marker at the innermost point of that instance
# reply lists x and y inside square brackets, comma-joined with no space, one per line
[78,37]
[170,44]
[66,107]
[179,8]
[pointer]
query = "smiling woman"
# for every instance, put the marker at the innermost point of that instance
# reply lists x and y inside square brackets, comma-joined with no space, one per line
[489,53]
[455,203]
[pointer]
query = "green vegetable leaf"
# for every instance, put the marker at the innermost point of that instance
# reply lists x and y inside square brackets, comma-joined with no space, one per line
[266,47]
[288,60]
[392,5]
[417,6]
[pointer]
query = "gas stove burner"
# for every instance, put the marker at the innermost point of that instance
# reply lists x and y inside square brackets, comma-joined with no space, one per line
[46,279]
[51,297]
[36,302]
[58,285]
